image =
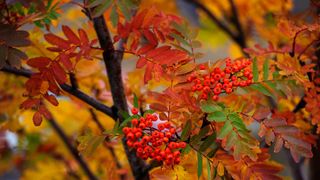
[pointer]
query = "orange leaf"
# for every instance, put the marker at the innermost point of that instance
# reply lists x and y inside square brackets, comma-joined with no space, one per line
[56,40]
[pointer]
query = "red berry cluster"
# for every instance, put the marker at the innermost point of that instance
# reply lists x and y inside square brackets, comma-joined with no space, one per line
[217,81]
[158,144]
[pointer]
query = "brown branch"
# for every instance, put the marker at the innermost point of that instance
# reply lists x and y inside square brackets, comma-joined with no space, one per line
[77,93]
[112,60]
[111,149]
[221,25]
[71,149]
[241,38]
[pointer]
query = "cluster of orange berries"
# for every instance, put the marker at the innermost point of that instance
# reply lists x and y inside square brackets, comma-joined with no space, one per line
[217,81]
[155,143]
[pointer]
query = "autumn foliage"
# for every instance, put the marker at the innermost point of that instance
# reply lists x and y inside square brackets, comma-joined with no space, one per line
[121,89]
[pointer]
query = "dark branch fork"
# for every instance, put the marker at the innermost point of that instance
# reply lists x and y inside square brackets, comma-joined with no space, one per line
[112,60]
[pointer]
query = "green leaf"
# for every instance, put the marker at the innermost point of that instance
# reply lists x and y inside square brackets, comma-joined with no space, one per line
[206,144]
[225,130]
[186,150]
[266,69]
[149,111]
[261,88]
[89,142]
[209,107]
[195,139]
[231,140]
[209,169]
[255,70]
[98,11]
[199,164]
[96,3]
[114,16]
[180,39]
[217,116]
[124,9]
[124,114]
[126,121]
[135,101]
[186,131]
[214,148]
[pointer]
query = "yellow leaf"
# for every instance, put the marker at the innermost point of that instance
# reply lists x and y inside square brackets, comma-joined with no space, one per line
[220,169]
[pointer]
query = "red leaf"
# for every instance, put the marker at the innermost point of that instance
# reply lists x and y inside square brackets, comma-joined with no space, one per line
[37,119]
[72,37]
[44,111]
[145,49]
[29,103]
[52,99]
[158,107]
[150,37]
[158,51]
[138,19]
[141,62]
[54,49]
[56,40]
[148,72]
[59,73]
[39,62]
[83,36]
[65,60]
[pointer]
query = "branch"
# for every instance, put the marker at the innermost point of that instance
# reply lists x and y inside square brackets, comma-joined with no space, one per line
[295,167]
[213,18]
[112,60]
[241,36]
[72,149]
[110,148]
[79,94]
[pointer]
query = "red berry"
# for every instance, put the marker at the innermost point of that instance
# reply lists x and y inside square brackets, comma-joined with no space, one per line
[142,125]
[176,153]
[134,122]
[165,139]
[202,67]
[130,143]
[217,77]
[172,130]
[217,90]
[182,144]
[161,127]
[215,97]
[126,130]
[199,86]
[138,134]
[134,111]
[228,90]
[172,145]
[130,135]
[177,160]
[168,134]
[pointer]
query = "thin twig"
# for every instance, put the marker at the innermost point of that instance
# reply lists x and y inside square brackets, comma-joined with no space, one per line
[77,93]
[71,149]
